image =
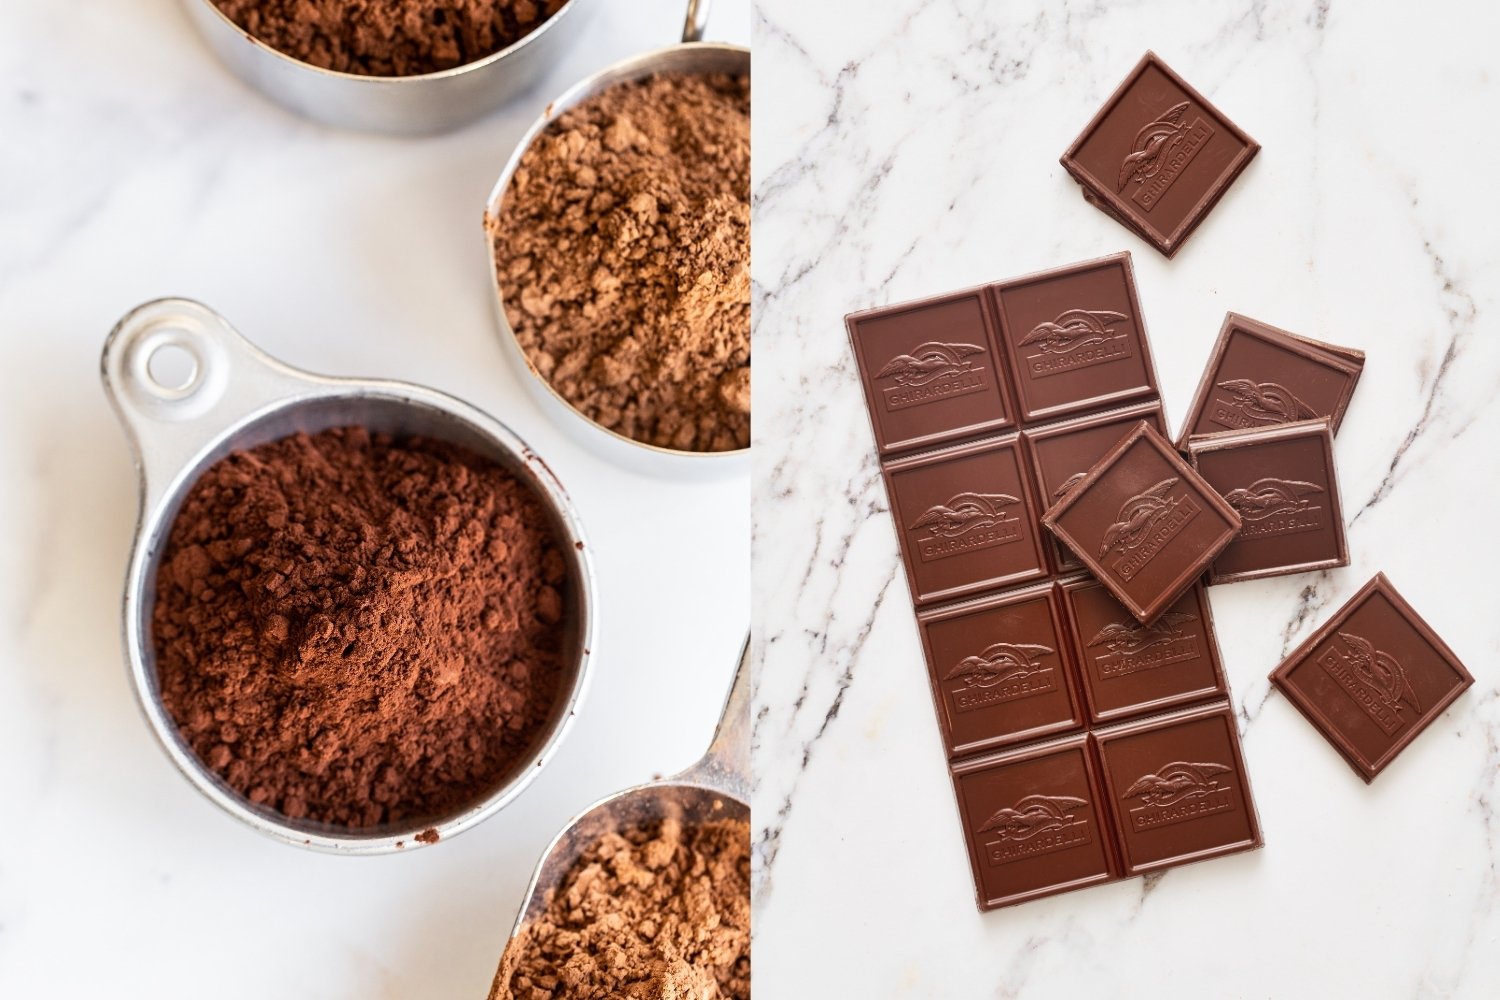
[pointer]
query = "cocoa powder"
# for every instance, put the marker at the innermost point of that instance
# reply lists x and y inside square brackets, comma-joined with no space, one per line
[388,37]
[623,251]
[357,630]
[659,912]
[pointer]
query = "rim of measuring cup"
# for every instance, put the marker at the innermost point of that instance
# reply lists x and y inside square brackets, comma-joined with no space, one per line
[530,38]
[175,433]
[619,446]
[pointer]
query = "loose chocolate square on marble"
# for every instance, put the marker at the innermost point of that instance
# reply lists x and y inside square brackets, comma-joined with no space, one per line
[1282,482]
[964,520]
[1075,339]
[1158,156]
[931,371]
[1001,670]
[1259,376]
[1143,523]
[1178,789]
[1373,677]
[1128,669]
[1061,454]
[1035,823]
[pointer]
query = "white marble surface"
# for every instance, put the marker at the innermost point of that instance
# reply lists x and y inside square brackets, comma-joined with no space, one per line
[132,166]
[906,148]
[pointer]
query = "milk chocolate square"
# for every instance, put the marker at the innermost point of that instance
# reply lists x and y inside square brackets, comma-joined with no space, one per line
[1061,454]
[1075,339]
[931,371]
[1178,789]
[1282,482]
[964,520]
[1128,669]
[1001,670]
[1373,677]
[1158,156]
[1143,523]
[1035,823]
[1259,376]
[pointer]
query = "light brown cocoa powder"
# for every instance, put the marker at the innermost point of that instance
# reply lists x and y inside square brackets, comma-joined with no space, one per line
[623,253]
[659,912]
[388,37]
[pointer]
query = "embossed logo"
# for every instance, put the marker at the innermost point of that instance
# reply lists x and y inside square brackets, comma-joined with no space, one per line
[1067,485]
[1002,672]
[1374,679]
[1037,824]
[1145,524]
[1077,338]
[968,522]
[931,372]
[1178,792]
[1273,506]
[1130,647]
[1161,152]
[1257,404]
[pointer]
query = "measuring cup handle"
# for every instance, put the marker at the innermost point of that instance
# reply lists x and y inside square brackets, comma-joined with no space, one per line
[169,424]
[696,21]
[727,763]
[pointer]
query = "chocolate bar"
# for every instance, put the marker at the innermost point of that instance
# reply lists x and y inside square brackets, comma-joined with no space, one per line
[1282,483]
[1060,455]
[1075,339]
[1002,670]
[931,371]
[964,520]
[1259,376]
[1178,789]
[1158,156]
[1372,678]
[1143,523]
[1127,669]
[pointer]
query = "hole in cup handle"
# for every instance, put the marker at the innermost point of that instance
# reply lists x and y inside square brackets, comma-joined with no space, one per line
[696,21]
[222,377]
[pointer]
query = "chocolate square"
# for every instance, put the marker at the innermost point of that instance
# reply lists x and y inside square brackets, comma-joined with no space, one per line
[1128,669]
[1060,455]
[1143,523]
[1035,823]
[1259,376]
[1075,338]
[1158,156]
[1373,677]
[1178,789]
[964,520]
[1001,670]
[1283,484]
[931,371]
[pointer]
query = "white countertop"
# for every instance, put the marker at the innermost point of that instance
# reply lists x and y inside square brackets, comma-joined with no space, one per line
[133,167]
[908,148]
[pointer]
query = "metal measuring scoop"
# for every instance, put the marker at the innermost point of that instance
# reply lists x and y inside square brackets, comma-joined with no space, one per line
[716,788]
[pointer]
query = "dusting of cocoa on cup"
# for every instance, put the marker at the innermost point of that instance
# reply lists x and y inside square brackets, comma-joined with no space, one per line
[358,630]
[388,37]
[622,254]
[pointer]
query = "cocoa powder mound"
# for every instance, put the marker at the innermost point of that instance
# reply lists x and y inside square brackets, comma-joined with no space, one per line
[388,37]
[623,251]
[355,630]
[659,912]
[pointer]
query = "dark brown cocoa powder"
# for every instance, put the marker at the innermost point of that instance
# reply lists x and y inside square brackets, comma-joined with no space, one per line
[623,251]
[659,912]
[358,630]
[389,37]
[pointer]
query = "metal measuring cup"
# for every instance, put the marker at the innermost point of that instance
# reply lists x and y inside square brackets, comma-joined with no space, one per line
[237,397]
[691,56]
[404,105]
[717,787]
